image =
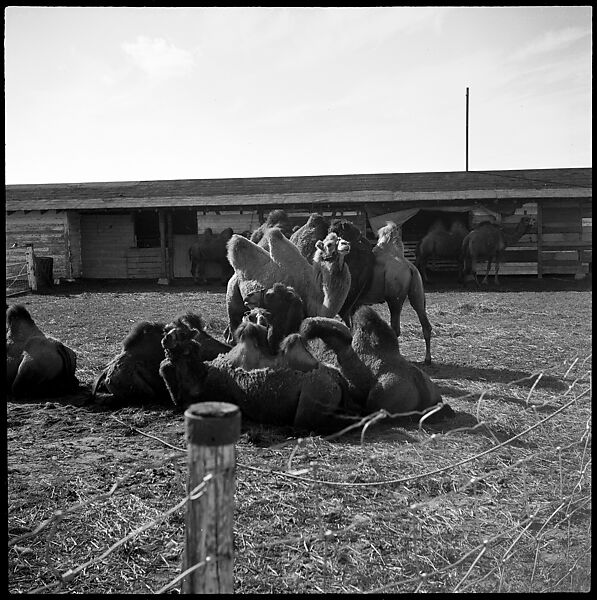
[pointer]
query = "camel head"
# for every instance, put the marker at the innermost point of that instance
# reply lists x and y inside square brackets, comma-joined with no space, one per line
[259,316]
[179,338]
[389,234]
[332,246]
[253,335]
[144,337]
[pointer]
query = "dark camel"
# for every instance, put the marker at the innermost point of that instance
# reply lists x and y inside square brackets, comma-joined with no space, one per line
[36,365]
[210,247]
[438,242]
[487,241]
[384,275]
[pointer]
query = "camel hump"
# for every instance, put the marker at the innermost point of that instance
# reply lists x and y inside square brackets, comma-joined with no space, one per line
[242,253]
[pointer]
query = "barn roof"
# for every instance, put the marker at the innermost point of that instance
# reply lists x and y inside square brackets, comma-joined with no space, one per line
[267,190]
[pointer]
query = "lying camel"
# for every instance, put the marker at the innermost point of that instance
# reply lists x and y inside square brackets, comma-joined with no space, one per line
[321,286]
[377,376]
[133,374]
[267,388]
[36,365]
[281,308]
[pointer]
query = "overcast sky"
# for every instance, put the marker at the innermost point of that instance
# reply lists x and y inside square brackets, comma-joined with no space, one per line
[127,94]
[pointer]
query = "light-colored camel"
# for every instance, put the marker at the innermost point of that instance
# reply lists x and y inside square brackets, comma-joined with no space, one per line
[487,241]
[36,365]
[305,238]
[438,242]
[394,279]
[369,359]
[321,286]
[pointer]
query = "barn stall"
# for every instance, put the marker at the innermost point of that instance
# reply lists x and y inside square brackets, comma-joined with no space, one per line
[142,230]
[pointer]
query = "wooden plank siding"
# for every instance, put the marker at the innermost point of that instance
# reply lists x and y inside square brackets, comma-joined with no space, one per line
[89,229]
[46,230]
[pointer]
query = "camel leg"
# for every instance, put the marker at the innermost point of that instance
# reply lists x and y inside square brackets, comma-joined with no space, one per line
[395,306]
[486,278]
[497,268]
[416,297]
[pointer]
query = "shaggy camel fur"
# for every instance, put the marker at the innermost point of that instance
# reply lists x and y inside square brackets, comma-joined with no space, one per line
[378,377]
[321,286]
[273,392]
[210,248]
[360,263]
[36,365]
[133,374]
[487,241]
[306,237]
[276,218]
[438,242]
[281,307]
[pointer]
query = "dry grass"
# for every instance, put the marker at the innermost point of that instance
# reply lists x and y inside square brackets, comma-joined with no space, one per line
[496,500]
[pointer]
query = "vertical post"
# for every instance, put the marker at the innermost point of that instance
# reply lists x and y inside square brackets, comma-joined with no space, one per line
[212,428]
[163,266]
[539,240]
[170,249]
[31,275]
[466,129]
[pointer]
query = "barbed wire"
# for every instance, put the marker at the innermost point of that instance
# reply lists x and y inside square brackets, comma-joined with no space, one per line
[568,504]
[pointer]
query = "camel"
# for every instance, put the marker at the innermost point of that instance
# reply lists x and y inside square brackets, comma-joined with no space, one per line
[36,365]
[321,286]
[306,237]
[438,242]
[210,248]
[281,307]
[369,359]
[487,241]
[392,279]
[360,261]
[133,374]
[276,218]
[267,388]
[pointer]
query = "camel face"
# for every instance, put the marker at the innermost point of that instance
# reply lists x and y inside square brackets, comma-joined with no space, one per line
[332,246]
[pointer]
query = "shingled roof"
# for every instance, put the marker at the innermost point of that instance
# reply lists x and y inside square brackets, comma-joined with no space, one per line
[188,192]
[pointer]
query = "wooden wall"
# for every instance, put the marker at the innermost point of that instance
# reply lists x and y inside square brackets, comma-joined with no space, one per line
[566,236]
[46,230]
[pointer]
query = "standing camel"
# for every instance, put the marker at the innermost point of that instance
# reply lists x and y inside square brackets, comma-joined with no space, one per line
[382,274]
[438,242]
[487,241]
[210,247]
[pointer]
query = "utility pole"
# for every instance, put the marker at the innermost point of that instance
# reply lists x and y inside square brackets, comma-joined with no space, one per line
[467,129]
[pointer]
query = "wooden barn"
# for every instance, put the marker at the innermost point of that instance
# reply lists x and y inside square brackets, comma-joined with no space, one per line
[143,229]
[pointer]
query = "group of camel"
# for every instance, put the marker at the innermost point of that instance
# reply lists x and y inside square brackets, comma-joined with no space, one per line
[286,358]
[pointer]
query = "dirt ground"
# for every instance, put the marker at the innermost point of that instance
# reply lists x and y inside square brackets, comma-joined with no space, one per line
[488,342]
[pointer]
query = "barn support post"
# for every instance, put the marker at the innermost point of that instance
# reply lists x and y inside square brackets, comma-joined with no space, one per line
[212,428]
[31,276]
[163,280]
[539,240]
[170,248]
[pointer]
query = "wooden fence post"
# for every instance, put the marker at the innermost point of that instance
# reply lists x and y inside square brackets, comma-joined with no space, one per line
[212,428]
[31,268]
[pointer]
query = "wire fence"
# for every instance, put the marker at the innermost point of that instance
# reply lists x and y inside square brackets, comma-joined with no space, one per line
[479,522]
[17,271]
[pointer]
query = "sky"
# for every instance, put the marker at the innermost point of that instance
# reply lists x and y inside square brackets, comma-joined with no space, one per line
[134,94]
